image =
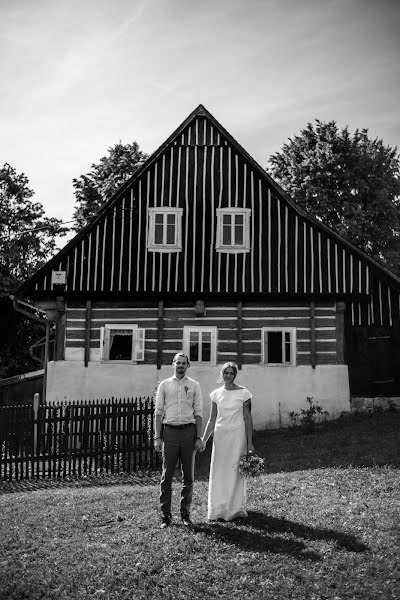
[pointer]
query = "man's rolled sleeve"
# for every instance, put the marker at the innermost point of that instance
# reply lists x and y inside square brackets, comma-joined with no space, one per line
[197,402]
[160,400]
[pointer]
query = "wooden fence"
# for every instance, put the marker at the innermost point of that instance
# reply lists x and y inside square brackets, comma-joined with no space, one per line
[75,439]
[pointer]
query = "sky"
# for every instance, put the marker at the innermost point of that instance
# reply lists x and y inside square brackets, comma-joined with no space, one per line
[78,76]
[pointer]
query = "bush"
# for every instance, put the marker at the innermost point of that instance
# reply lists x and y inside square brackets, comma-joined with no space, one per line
[308,417]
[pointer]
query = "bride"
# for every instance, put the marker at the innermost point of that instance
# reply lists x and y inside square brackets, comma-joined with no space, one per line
[232,424]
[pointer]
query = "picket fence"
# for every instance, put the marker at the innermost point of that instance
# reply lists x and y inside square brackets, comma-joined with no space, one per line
[77,439]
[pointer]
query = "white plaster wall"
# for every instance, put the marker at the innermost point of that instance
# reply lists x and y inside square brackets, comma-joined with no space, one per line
[276,390]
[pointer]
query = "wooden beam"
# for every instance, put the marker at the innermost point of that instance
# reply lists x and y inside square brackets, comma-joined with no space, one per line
[340,310]
[31,316]
[59,339]
[87,331]
[240,334]
[160,333]
[312,334]
[46,359]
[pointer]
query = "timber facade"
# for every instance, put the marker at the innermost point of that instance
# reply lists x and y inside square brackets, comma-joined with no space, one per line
[239,327]
[201,250]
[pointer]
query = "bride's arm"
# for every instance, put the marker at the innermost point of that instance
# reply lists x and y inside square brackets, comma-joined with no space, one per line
[211,423]
[248,422]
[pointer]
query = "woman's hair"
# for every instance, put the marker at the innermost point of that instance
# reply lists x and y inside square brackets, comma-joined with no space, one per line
[225,366]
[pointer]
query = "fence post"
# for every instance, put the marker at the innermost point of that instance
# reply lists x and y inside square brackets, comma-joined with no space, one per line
[35,422]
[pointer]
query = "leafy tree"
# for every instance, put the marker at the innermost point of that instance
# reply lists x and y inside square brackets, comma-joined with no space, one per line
[27,240]
[27,236]
[349,182]
[103,180]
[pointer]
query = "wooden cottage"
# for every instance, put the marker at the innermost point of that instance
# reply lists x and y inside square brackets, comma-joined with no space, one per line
[202,251]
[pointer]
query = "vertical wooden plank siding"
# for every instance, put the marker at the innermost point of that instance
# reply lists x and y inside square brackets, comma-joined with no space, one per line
[200,171]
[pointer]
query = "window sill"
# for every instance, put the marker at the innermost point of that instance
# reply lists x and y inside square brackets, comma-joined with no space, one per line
[164,249]
[231,250]
[277,364]
[119,362]
[202,364]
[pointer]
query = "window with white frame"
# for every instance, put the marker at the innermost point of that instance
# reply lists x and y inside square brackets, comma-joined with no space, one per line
[122,343]
[200,344]
[165,229]
[279,346]
[233,230]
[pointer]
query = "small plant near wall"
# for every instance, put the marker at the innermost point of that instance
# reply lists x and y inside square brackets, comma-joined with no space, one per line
[308,417]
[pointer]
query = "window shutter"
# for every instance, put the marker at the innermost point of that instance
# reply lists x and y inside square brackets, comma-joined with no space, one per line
[104,343]
[138,344]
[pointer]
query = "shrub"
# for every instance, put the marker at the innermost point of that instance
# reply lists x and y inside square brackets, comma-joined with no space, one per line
[308,417]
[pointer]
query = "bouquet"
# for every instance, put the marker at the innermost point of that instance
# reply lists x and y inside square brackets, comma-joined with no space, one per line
[251,465]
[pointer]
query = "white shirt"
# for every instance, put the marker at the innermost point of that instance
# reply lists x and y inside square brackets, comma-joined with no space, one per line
[179,400]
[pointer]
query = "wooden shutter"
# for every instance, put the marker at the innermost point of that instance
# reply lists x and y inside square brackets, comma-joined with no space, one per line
[138,344]
[104,343]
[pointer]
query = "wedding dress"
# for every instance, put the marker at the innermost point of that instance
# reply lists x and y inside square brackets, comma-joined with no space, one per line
[227,491]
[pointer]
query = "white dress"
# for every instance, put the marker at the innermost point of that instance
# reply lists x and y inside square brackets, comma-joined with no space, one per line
[227,492]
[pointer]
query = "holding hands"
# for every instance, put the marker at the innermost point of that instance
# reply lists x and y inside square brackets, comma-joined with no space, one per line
[199,445]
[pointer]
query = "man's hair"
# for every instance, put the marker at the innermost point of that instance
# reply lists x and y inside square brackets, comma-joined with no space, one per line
[183,355]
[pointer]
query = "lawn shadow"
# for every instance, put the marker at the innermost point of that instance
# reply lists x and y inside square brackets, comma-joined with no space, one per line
[34,485]
[262,533]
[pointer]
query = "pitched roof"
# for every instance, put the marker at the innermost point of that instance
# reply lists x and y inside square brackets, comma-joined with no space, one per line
[181,136]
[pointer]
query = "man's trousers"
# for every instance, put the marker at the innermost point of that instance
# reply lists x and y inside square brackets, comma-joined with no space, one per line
[178,446]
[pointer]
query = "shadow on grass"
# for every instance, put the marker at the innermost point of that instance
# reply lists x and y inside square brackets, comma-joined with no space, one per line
[33,485]
[262,533]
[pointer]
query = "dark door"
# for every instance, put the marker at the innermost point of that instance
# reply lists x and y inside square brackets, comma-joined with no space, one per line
[372,355]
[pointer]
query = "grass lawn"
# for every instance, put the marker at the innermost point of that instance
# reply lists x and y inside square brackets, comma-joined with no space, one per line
[323,524]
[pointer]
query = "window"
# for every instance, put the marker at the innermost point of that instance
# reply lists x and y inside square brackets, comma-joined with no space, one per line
[233,230]
[165,229]
[200,344]
[121,343]
[279,346]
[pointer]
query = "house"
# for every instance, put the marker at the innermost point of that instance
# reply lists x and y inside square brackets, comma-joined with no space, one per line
[202,251]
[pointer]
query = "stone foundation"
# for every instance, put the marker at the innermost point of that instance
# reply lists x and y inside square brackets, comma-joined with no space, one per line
[369,405]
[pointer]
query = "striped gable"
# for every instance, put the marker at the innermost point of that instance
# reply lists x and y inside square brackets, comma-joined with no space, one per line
[199,170]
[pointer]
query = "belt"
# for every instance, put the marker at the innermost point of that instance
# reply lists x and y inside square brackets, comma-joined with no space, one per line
[178,426]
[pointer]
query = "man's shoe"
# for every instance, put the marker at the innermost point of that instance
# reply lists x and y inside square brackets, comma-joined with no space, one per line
[186,522]
[165,522]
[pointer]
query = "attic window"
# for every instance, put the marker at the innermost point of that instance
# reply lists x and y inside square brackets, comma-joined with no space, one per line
[233,230]
[165,229]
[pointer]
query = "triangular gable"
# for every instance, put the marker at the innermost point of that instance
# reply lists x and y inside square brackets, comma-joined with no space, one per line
[201,168]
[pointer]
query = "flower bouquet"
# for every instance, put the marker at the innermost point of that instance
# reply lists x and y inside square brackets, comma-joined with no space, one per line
[251,465]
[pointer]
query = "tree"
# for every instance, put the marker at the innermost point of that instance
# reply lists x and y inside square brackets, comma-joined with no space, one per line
[93,189]
[27,236]
[349,182]
[27,240]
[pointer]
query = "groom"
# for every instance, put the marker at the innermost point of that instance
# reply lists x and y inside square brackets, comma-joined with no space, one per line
[178,424]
